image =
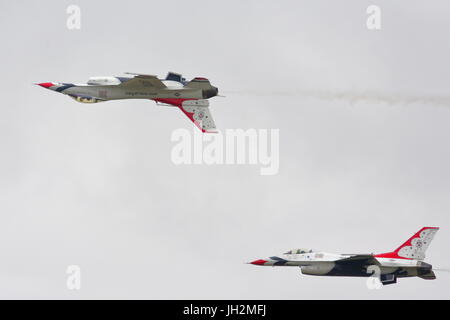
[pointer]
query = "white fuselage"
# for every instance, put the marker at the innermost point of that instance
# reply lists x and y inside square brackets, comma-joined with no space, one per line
[323,263]
[173,90]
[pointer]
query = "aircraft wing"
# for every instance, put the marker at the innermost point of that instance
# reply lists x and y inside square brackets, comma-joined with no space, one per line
[359,259]
[198,112]
[143,81]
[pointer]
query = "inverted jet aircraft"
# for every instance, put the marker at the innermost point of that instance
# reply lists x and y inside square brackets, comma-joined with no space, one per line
[405,261]
[190,96]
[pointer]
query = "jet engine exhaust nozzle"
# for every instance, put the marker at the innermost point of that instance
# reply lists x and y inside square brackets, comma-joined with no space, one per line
[210,92]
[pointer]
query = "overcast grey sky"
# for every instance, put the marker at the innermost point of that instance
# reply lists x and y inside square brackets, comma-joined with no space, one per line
[93,185]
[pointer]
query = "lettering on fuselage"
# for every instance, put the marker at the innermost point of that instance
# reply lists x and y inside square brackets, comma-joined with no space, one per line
[140,93]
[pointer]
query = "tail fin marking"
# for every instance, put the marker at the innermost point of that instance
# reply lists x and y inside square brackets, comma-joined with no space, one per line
[415,247]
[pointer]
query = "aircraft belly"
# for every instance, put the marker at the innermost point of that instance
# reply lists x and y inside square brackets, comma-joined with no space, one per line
[101,92]
[386,270]
[354,271]
[348,271]
[79,91]
[130,93]
[322,268]
[116,92]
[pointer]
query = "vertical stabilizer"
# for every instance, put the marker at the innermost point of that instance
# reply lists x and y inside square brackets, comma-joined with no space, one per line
[415,247]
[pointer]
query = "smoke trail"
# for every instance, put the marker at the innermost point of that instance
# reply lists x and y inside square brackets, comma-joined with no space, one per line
[354,97]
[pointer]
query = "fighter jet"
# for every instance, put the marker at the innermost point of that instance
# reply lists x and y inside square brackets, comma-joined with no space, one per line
[190,96]
[405,261]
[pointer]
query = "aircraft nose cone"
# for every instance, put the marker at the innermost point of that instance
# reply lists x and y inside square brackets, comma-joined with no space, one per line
[259,262]
[46,85]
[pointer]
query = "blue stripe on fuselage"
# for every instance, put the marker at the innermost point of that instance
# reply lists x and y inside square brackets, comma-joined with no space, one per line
[65,86]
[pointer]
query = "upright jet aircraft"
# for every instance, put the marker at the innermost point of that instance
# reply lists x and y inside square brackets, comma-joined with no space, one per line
[405,261]
[190,96]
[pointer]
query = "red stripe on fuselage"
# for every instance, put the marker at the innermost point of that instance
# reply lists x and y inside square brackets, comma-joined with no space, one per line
[174,102]
[392,255]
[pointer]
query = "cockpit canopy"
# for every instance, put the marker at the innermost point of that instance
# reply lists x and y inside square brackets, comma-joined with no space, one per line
[299,251]
[176,77]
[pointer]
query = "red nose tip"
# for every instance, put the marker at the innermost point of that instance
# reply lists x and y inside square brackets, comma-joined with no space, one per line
[46,84]
[259,262]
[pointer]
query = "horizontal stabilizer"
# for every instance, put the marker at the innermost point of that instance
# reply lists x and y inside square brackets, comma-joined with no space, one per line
[428,276]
